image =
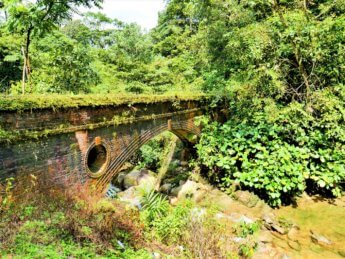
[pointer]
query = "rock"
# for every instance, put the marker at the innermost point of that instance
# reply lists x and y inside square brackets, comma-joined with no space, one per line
[190,189]
[199,195]
[175,191]
[156,255]
[120,179]
[293,234]
[181,182]
[265,237]
[266,250]
[131,179]
[319,239]
[246,198]
[221,200]
[238,239]
[271,224]
[295,245]
[142,178]
[166,188]
[173,200]
[126,167]
[146,179]
[235,217]
[131,197]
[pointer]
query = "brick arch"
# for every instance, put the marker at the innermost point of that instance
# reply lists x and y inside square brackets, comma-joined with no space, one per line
[182,129]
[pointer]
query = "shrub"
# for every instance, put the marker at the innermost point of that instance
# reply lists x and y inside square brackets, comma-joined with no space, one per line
[280,157]
[155,206]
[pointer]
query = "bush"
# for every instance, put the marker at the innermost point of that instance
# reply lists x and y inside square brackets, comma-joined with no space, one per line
[279,158]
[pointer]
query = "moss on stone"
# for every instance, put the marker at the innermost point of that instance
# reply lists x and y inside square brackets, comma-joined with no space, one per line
[54,101]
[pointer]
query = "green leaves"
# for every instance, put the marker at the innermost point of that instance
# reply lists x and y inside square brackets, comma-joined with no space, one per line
[270,159]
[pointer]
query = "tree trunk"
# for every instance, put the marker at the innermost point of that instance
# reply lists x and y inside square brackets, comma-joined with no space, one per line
[24,72]
[26,55]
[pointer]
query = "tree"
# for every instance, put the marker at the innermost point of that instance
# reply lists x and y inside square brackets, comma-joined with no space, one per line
[38,18]
[63,65]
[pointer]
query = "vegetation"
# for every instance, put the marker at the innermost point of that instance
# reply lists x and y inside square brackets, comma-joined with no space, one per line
[281,66]
[55,101]
[275,68]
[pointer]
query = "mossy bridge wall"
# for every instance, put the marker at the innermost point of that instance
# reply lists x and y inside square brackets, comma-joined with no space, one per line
[70,145]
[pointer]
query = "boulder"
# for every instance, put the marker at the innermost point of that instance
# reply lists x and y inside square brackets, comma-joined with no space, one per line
[131,179]
[142,178]
[246,198]
[190,189]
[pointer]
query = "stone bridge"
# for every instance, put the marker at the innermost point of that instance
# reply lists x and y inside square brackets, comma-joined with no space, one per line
[89,143]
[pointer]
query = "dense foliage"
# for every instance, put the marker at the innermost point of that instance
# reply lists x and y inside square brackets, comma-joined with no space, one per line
[279,64]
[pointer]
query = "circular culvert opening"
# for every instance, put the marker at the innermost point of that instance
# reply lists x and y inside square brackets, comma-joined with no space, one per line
[97,159]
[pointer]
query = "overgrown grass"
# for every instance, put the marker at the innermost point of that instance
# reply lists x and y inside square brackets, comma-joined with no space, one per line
[41,222]
[51,223]
[56,101]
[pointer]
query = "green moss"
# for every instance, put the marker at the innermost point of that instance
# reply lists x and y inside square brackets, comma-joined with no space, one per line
[54,101]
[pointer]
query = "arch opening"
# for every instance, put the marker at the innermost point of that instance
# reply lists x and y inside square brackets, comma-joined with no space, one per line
[97,159]
[185,131]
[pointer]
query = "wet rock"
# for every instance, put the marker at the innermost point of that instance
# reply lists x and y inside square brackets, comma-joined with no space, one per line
[246,198]
[319,239]
[272,224]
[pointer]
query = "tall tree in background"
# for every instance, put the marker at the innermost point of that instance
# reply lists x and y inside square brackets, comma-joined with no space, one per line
[38,18]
